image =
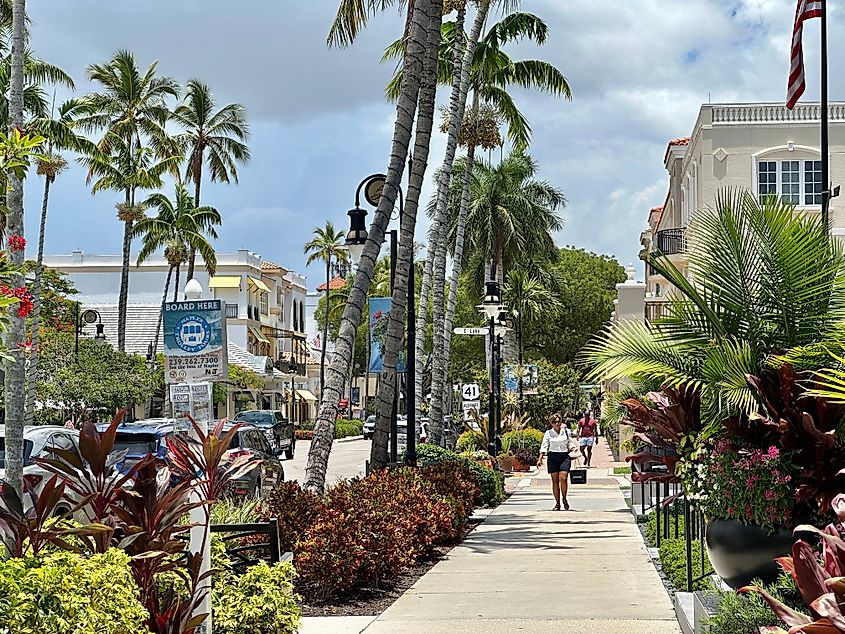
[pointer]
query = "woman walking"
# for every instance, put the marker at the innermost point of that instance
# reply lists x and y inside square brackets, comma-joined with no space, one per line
[556,443]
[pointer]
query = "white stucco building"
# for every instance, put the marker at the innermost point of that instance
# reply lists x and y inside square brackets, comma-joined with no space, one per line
[265,316]
[762,147]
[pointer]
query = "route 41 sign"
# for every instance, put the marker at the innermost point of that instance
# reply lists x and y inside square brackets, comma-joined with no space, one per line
[470,391]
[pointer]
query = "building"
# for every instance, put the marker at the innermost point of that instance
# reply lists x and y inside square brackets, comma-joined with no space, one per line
[265,317]
[762,147]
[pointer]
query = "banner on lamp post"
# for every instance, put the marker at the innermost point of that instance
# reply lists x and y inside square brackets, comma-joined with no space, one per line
[379,317]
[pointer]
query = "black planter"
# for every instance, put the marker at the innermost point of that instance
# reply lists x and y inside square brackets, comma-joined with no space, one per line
[740,553]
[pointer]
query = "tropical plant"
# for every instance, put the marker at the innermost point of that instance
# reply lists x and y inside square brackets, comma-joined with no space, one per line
[420,26]
[131,110]
[262,601]
[761,280]
[213,138]
[326,245]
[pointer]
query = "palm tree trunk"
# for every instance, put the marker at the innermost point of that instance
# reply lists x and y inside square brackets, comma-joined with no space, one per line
[325,328]
[197,182]
[14,367]
[457,260]
[321,445]
[32,368]
[123,297]
[176,285]
[158,334]
[389,384]
[438,232]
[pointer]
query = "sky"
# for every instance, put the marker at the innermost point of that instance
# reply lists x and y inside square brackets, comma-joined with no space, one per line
[639,72]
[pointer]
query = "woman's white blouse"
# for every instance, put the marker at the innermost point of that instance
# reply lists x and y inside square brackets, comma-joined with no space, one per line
[556,442]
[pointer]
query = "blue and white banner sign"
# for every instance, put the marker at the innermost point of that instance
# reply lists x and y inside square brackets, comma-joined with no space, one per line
[195,341]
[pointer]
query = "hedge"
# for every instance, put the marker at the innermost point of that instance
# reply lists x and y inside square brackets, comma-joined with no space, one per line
[492,483]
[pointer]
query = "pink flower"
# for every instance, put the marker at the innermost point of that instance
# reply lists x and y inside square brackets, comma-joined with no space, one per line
[770,495]
[773,452]
[16,242]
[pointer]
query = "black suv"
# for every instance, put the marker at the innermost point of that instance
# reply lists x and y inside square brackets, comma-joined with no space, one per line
[268,472]
[278,429]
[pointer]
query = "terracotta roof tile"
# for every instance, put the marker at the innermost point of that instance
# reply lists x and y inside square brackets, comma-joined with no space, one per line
[681,141]
[267,265]
[334,284]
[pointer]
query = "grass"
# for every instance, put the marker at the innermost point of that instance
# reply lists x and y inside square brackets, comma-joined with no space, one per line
[621,470]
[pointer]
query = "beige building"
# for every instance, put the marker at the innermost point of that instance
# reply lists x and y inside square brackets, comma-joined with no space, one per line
[758,146]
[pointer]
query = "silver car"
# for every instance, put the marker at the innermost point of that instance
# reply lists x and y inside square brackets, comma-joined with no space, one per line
[369,427]
[37,439]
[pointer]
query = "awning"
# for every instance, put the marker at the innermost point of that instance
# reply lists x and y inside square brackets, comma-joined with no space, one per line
[225,281]
[259,284]
[306,395]
[257,334]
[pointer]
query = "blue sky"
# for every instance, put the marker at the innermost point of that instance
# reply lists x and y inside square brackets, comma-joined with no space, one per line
[639,73]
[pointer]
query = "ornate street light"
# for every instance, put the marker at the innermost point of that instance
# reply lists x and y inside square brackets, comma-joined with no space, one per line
[87,317]
[491,307]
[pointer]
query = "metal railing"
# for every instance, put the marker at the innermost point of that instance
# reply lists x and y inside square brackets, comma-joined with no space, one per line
[245,555]
[672,241]
[231,311]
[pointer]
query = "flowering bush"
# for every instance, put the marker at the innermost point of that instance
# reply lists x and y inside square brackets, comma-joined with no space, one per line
[16,242]
[754,486]
[22,295]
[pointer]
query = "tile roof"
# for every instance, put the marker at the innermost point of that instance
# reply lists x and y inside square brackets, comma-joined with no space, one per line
[681,141]
[334,284]
[267,265]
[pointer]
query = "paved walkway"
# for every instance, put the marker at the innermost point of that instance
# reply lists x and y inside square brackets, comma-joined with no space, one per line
[529,569]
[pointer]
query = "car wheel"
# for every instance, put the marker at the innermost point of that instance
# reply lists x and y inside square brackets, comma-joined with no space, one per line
[290,451]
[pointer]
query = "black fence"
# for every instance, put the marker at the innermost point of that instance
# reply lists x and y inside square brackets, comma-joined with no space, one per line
[672,241]
[245,546]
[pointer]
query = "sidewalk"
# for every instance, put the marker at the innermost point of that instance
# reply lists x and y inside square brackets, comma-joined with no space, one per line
[530,569]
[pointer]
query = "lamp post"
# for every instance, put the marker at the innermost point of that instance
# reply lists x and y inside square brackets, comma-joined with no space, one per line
[88,316]
[501,328]
[356,238]
[491,306]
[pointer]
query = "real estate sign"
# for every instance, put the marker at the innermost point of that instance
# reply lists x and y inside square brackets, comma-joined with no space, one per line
[195,341]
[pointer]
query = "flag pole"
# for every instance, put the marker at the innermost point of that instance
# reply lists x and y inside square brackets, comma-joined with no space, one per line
[824,116]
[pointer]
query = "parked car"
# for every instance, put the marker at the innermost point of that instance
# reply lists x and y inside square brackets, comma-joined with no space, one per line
[37,439]
[369,427]
[252,441]
[141,437]
[278,429]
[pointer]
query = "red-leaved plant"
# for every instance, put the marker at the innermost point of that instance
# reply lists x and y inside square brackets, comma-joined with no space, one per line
[821,582]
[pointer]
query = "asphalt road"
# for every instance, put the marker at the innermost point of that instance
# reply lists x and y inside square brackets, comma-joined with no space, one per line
[345,461]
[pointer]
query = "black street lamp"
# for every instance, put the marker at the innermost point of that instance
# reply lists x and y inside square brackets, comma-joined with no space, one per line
[356,238]
[502,326]
[491,306]
[88,316]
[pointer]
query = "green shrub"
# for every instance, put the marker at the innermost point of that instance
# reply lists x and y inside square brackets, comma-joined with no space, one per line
[747,613]
[261,601]
[673,558]
[470,441]
[651,524]
[344,428]
[491,483]
[529,438]
[65,592]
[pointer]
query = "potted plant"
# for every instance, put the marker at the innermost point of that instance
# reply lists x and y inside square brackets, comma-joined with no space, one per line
[523,459]
[505,461]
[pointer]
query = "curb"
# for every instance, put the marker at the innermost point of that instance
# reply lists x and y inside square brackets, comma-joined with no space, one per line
[349,439]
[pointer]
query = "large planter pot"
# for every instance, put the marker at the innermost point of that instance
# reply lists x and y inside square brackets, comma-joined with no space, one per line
[740,553]
[518,465]
[505,463]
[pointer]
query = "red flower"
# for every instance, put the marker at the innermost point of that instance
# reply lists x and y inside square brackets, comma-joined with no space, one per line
[23,296]
[16,242]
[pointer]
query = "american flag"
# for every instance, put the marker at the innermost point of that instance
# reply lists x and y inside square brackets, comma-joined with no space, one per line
[806,10]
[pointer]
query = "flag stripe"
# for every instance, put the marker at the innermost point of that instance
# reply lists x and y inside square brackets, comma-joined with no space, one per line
[806,10]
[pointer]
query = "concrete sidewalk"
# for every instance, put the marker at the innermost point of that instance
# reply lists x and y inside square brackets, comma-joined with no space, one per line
[530,569]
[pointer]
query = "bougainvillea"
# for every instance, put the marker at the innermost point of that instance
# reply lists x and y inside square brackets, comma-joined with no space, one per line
[22,295]
[16,242]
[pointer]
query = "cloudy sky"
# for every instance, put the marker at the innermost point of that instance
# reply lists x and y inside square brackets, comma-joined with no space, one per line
[639,72]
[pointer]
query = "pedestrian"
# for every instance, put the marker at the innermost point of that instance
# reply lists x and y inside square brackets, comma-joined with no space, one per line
[587,436]
[557,444]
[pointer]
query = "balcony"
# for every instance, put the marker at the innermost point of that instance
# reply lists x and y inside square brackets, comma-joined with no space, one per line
[656,308]
[231,311]
[774,113]
[672,241]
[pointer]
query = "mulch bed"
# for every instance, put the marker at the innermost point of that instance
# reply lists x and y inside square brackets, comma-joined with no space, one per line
[374,601]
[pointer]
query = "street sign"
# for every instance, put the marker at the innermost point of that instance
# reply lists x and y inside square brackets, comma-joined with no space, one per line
[470,391]
[469,406]
[470,331]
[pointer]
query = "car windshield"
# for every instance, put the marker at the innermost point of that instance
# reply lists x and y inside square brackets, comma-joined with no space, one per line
[256,418]
[27,452]
[136,444]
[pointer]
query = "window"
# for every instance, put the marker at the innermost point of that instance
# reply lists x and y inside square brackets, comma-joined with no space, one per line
[301,317]
[789,179]
[265,303]
[812,182]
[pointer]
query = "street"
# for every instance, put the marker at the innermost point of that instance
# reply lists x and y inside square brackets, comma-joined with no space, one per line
[346,460]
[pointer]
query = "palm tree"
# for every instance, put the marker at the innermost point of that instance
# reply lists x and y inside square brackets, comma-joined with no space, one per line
[131,110]
[15,374]
[213,137]
[61,134]
[420,24]
[178,226]
[529,300]
[764,280]
[326,245]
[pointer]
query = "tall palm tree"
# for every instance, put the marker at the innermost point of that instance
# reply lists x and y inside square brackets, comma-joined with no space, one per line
[131,109]
[61,134]
[762,280]
[178,226]
[15,374]
[326,245]
[216,138]
[420,22]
